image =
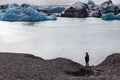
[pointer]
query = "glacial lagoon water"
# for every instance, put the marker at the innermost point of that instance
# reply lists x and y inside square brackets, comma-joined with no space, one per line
[67,37]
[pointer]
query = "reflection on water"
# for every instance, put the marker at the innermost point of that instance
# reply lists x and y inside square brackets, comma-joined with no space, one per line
[66,37]
[30,23]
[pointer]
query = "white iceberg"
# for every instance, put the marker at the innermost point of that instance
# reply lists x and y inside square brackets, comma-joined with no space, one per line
[78,5]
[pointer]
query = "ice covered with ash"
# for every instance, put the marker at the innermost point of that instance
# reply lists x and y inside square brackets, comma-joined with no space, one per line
[106,10]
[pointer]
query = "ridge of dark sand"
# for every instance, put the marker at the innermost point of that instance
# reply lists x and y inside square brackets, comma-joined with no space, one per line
[22,66]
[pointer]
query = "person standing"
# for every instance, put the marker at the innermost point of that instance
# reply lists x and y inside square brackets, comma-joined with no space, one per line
[87,59]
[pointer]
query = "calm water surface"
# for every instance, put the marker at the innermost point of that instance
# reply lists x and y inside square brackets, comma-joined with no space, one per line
[66,37]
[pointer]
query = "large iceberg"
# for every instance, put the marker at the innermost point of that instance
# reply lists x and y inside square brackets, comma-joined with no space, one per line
[24,12]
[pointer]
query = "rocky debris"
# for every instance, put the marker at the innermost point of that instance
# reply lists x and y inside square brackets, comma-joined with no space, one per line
[17,66]
[28,67]
[80,72]
[111,65]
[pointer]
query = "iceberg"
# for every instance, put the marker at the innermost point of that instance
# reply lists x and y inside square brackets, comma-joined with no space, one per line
[78,10]
[78,5]
[95,14]
[107,7]
[111,16]
[24,12]
[91,5]
[108,16]
[51,17]
[91,2]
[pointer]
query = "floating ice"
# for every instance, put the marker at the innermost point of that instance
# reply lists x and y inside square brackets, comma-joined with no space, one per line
[51,17]
[110,16]
[24,12]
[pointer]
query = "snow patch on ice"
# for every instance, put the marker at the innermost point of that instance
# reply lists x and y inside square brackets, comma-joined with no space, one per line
[78,5]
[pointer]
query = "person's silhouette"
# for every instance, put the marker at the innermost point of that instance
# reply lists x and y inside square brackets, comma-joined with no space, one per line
[87,59]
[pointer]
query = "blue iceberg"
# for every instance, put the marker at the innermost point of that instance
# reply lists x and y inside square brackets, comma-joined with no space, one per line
[110,16]
[24,13]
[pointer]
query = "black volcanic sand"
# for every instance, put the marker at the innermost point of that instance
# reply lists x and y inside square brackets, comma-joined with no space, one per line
[18,66]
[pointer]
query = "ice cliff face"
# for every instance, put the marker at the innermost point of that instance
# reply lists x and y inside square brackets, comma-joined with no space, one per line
[24,12]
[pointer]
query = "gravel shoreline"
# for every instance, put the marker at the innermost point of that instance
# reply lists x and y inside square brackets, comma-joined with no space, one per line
[29,67]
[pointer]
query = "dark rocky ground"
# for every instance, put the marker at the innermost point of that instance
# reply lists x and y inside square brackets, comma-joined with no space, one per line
[29,67]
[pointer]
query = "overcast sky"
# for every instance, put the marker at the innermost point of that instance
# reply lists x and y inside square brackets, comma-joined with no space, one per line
[50,2]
